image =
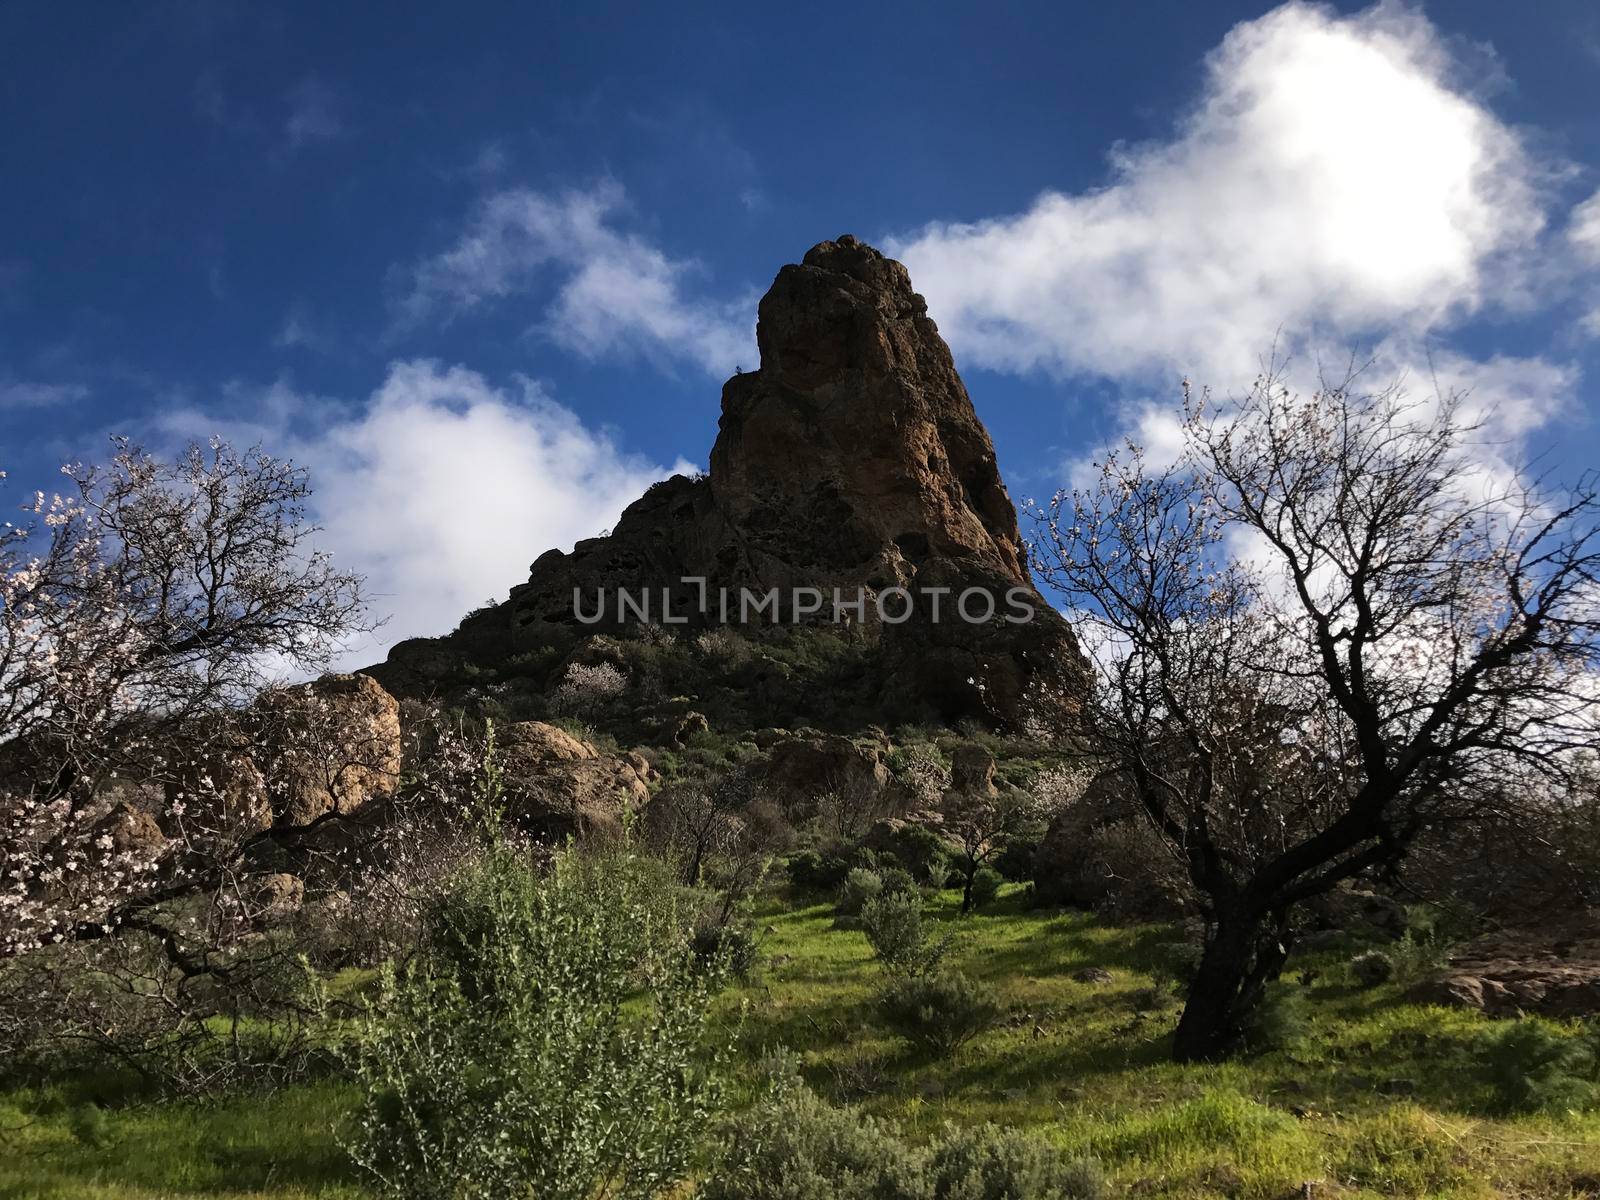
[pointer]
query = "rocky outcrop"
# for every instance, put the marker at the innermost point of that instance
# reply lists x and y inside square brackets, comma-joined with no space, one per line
[558,786]
[972,771]
[1553,973]
[852,459]
[1509,987]
[804,770]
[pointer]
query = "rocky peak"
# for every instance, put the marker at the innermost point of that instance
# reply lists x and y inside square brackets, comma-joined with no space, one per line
[857,424]
[852,458]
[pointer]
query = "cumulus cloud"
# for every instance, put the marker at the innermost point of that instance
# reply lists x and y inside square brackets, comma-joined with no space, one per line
[441,488]
[614,292]
[1333,180]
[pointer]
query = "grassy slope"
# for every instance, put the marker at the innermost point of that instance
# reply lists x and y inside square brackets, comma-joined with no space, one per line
[1079,1063]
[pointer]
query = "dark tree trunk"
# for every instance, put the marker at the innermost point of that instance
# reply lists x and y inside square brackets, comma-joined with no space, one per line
[1244,953]
[966,888]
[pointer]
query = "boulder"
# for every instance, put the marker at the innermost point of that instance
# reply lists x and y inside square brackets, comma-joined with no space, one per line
[329,745]
[1120,868]
[132,834]
[691,724]
[1357,909]
[972,771]
[802,770]
[276,896]
[1553,971]
[1505,988]
[559,786]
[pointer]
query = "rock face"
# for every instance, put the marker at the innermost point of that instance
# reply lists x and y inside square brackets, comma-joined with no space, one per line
[852,459]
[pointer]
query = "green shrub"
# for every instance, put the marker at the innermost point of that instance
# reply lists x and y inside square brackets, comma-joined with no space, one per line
[90,1126]
[1372,968]
[1421,956]
[986,885]
[938,1011]
[897,880]
[814,871]
[990,1163]
[1278,1022]
[898,934]
[726,946]
[923,852]
[1530,1066]
[893,925]
[554,1036]
[1016,859]
[797,1147]
[1175,966]
[859,886]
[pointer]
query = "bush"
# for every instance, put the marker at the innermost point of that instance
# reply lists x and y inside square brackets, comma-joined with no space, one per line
[1175,966]
[859,886]
[938,1011]
[898,881]
[1419,956]
[986,886]
[894,926]
[1530,1066]
[1278,1022]
[586,688]
[990,1163]
[924,853]
[586,1056]
[1015,860]
[730,947]
[814,871]
[1372,968]
[90,1126]
[797,1147]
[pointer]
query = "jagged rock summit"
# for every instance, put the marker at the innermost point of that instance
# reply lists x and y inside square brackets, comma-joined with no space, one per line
[852,459]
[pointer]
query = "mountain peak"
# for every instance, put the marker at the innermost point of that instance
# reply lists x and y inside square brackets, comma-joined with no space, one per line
[851,463]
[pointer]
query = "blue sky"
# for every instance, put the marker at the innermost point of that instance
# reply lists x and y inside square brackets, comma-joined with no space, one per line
[483,269]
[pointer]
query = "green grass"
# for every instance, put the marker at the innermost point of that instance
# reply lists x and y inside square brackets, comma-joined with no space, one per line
[276,1146]
[1381,1098]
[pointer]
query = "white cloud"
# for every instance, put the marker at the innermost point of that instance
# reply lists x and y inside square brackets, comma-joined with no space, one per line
[1583,233]
[1332,180]
[442,488]
[1584,229]
[23,393]
[614,291]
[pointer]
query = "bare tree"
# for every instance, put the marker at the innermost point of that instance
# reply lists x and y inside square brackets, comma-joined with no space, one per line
[1325,630]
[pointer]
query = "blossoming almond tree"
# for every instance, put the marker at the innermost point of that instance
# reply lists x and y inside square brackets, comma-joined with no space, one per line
[1325,630]
[141,611]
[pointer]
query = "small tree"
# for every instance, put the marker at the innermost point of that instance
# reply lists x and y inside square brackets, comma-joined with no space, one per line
[981,822]
[1324,631]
